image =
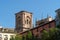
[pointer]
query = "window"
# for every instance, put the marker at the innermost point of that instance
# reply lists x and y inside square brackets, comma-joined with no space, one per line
[27,21]
[19,17]
[5,37]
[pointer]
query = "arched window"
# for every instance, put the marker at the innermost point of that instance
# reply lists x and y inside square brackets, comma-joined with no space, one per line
[27,21]
[5,37]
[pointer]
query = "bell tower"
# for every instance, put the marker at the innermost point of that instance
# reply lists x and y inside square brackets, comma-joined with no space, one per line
[23,21]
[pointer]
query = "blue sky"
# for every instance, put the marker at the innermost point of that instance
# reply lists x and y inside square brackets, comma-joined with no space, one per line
[8,8]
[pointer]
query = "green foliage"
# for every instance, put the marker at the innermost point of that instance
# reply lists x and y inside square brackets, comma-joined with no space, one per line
[17,37]
[52,34]
[12,38]
[58,26]
[24,37]
[29,35]
[45,35]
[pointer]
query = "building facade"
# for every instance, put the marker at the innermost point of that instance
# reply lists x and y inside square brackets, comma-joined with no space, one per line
[57,17]
[6,36]
[43,21]
[6,33]
[38,30]
[23,21]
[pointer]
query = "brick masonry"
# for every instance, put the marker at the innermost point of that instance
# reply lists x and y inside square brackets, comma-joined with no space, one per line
[38,30]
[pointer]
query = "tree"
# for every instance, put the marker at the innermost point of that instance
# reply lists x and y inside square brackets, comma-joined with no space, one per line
[53,34]
[45,35]
[58,26]
[12,38]
[29,35]
[17,37]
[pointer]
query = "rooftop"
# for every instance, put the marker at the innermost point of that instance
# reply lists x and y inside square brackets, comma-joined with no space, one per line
[23,11]
[39,22]
[7,30]
[58,10]
[38,26]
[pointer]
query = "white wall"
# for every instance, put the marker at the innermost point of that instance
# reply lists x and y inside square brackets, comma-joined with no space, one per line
[3,35]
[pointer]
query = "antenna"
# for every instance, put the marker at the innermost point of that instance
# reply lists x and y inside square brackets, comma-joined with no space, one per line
[42,16]
[36,21]
[47,15]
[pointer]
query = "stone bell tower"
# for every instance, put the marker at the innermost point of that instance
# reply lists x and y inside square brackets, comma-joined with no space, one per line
[23,21]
